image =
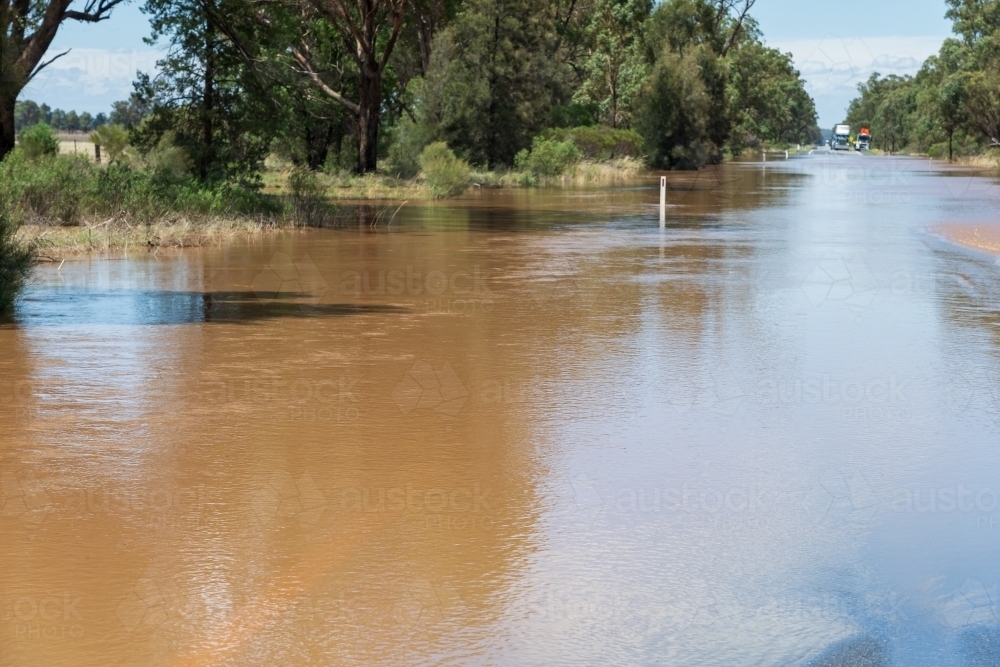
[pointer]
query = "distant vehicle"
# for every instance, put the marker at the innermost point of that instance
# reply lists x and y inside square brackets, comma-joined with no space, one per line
[864,140]
[841,138]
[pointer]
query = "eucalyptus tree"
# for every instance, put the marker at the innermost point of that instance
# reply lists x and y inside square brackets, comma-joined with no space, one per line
[369,30]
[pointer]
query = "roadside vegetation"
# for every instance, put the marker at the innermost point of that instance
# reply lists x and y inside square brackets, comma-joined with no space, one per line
[269,113]
[951,108]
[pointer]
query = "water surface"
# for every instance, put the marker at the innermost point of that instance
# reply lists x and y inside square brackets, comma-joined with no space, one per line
[521,428]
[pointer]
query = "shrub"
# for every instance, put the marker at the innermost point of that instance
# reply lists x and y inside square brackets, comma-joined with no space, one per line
[600,142]
[445,174]
[113,139]
[574,115]
[408,140]
[68,188]
[16,260]
[38,140]
[167,160]
[548,157]
[308,203]
[52,189]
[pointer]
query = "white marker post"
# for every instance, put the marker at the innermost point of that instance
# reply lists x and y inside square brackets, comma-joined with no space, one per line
[663,201]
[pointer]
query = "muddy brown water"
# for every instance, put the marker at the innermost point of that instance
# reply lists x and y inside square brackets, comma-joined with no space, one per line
[521,428]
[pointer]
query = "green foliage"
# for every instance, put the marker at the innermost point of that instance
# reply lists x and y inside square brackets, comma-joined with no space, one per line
[38,140]
[548,157]
[672,114]
[129,113]
[113,140]
[308,201]
[600,142]
[166,160]
[67,189]
[28,113]
[767,100]
[205,93]
[615,64]
[493,81]
[715,86]
[16,261]
[952,105]
[574,115]
[407,141]
[445,174]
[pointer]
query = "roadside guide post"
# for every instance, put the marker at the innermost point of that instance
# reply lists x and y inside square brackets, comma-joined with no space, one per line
[663,201]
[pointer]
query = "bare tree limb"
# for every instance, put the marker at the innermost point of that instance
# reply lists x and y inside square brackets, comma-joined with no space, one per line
[45,64]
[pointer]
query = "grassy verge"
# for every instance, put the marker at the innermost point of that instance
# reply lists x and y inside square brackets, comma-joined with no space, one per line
[53,243]
[379,187]
[66,204]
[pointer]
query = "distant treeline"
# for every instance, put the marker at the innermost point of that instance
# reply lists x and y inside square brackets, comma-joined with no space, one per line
[952,106]
[28,113]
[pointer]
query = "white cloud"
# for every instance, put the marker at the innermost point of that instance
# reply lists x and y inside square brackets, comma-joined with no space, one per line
[833,67]
[90,79]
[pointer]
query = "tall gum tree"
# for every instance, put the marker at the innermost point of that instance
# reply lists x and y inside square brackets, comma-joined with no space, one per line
[370,30]
[27,28]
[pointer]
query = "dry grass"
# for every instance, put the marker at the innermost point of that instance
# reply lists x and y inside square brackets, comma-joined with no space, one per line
[341,187]
[113,235]
[985,161]
[600,173]
[378,187]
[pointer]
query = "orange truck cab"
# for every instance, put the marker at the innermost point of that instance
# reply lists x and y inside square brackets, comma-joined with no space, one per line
[863,142]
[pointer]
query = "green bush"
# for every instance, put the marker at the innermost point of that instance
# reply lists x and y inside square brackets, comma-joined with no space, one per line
[113,139]
[38,140]
[167,160]
[69,188]
[600,142]
[309,204]
[574,115]
[445,174]
[548,157]
[16,260]
[408,140]
[54,189]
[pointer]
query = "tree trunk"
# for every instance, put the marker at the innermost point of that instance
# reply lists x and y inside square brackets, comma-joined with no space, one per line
[950,135]
[428,18]
[208,103]
[370,101]
[8,132]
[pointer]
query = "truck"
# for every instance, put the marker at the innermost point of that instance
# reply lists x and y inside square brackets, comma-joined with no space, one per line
[863,142]
[840,141]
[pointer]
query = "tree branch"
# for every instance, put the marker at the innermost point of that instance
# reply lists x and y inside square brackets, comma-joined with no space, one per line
[93,11]
[46,64]
[315,78]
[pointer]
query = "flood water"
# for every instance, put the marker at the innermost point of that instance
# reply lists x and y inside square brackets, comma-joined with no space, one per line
[521,428]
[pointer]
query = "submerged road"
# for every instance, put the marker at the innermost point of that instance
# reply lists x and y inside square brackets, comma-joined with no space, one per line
[522,428]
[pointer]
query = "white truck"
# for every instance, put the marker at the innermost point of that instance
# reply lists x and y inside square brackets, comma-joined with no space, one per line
[841,139]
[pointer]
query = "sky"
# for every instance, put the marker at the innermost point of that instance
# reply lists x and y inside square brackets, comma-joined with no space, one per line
[835,45]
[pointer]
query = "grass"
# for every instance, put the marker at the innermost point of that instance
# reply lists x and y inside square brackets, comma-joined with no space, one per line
[52,243]
[381,187]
